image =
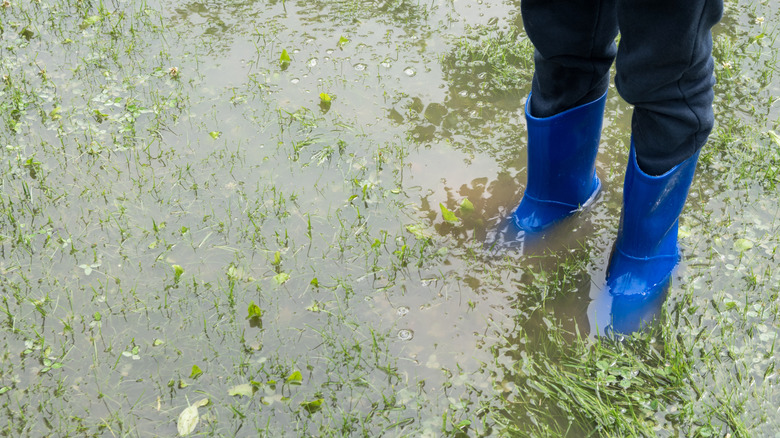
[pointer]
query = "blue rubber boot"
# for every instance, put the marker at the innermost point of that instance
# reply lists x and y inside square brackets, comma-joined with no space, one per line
[646,251]
[561,164]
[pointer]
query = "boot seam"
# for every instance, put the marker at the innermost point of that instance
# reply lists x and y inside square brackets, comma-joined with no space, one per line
[675,256]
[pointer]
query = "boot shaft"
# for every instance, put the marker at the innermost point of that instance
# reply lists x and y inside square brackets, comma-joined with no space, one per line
[651,208]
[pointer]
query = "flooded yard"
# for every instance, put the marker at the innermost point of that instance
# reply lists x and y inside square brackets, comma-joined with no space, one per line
[289,218]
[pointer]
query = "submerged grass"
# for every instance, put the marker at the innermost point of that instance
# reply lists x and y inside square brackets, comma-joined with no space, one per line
[184,227]
[605,389]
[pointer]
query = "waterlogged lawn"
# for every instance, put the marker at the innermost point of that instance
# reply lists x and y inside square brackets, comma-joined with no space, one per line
[282,218]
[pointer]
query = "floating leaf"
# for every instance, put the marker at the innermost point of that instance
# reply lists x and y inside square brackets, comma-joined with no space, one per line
[27,34]
[448,215]
[295,378]
[315,307]
[419,231]
[177,271]
[462,424]
[284,60]
[466,206]
[92,19]
[312,406]
[196,372]
[325,102]
[215,134]
[244,389]
[281,278]
[189,417]
[343,41]
[774,136]
[743,245]
[254,311]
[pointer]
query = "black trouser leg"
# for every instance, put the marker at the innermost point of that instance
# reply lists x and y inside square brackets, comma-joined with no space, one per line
[575,47]
[664,67]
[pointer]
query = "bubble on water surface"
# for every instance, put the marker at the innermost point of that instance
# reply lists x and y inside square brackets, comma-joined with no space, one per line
[312,62]
[405,335]
[294,81]
[402,310]
[360,66]
[410,71]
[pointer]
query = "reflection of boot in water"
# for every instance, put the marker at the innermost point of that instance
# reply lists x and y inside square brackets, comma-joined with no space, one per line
[561,165]
[563,237]
[610,315]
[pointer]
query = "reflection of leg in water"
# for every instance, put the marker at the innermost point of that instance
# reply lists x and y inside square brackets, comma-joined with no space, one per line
[555,287]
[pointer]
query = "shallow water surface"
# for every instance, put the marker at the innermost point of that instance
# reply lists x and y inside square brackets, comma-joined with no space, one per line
[245,202]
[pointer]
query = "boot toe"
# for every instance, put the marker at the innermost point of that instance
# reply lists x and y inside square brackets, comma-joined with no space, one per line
[638,276]
[534,215]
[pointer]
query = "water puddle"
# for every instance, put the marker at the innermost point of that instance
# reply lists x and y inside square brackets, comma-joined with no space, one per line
[299,210]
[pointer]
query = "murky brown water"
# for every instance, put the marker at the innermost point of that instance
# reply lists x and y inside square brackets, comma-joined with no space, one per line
[236,159]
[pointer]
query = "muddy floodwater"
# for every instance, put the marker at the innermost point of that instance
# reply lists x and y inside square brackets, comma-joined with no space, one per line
[290,218]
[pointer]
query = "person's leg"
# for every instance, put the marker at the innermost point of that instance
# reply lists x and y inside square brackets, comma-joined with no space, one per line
[574,43]
[664,68]
[575,46]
